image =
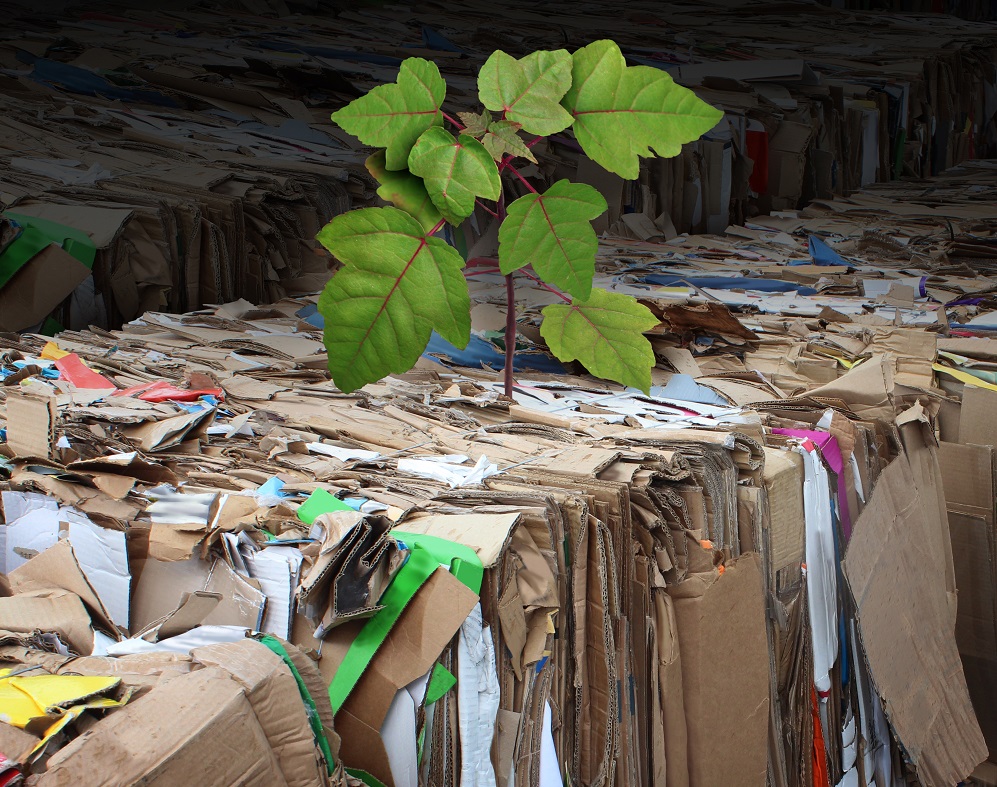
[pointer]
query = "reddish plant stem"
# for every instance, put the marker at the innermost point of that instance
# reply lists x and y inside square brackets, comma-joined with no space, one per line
[510,314]
[545,285]
[486,209]
[454,121]
[510,332]
[437,228]
[525,182]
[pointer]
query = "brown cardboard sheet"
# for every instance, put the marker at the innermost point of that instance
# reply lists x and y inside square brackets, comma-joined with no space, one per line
[905,623]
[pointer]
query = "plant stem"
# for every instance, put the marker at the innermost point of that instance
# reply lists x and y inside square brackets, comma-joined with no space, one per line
[510,332]
[437,228]
[510,314]
[454,121]
[486,209]
[526,183]
[546,286]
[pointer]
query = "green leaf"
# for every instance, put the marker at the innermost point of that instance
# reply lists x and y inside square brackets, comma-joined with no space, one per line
[405,191]
[501,138]
[622,113]
[393,116]
[455,172]
[395,287]
[605,334]
[474,124]
[528,90]
[553,232]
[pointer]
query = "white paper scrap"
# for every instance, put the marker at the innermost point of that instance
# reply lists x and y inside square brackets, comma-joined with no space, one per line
[103,557]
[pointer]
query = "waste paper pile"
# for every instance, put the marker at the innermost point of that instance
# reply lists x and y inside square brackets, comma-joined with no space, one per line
[778,568]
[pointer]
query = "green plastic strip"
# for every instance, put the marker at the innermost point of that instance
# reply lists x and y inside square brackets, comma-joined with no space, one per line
[463,561]
[366,778]
[426,555]
[313,718]
[320,502]
[35,235]
[440,682]
[22,249]
[412,576]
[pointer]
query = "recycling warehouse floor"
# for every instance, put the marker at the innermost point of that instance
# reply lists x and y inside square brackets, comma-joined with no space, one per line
[777,568]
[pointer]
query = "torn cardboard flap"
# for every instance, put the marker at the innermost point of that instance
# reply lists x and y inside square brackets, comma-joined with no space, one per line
[486,534]
[49,611]
[31,425]
[357,561]
[58,569]
[893,586]
[171,432]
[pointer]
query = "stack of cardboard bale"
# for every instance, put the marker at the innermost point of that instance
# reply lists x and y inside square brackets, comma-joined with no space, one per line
[750,576]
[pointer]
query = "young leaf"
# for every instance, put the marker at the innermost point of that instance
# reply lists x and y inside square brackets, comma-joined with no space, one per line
[553,231]
[529,90]
[604,333]
[455,172]
[501,138]
[622,112]
[397,285]
[405,191]
[475,125]
[393,116]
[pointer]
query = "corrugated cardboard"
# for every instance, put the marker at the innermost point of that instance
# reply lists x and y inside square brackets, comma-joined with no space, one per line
[977,424]
[905,622]
[31,425]
[725,673]
[52,612]
[273,694]
[57,568]
[38,287]
[969,479]
[211,734]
